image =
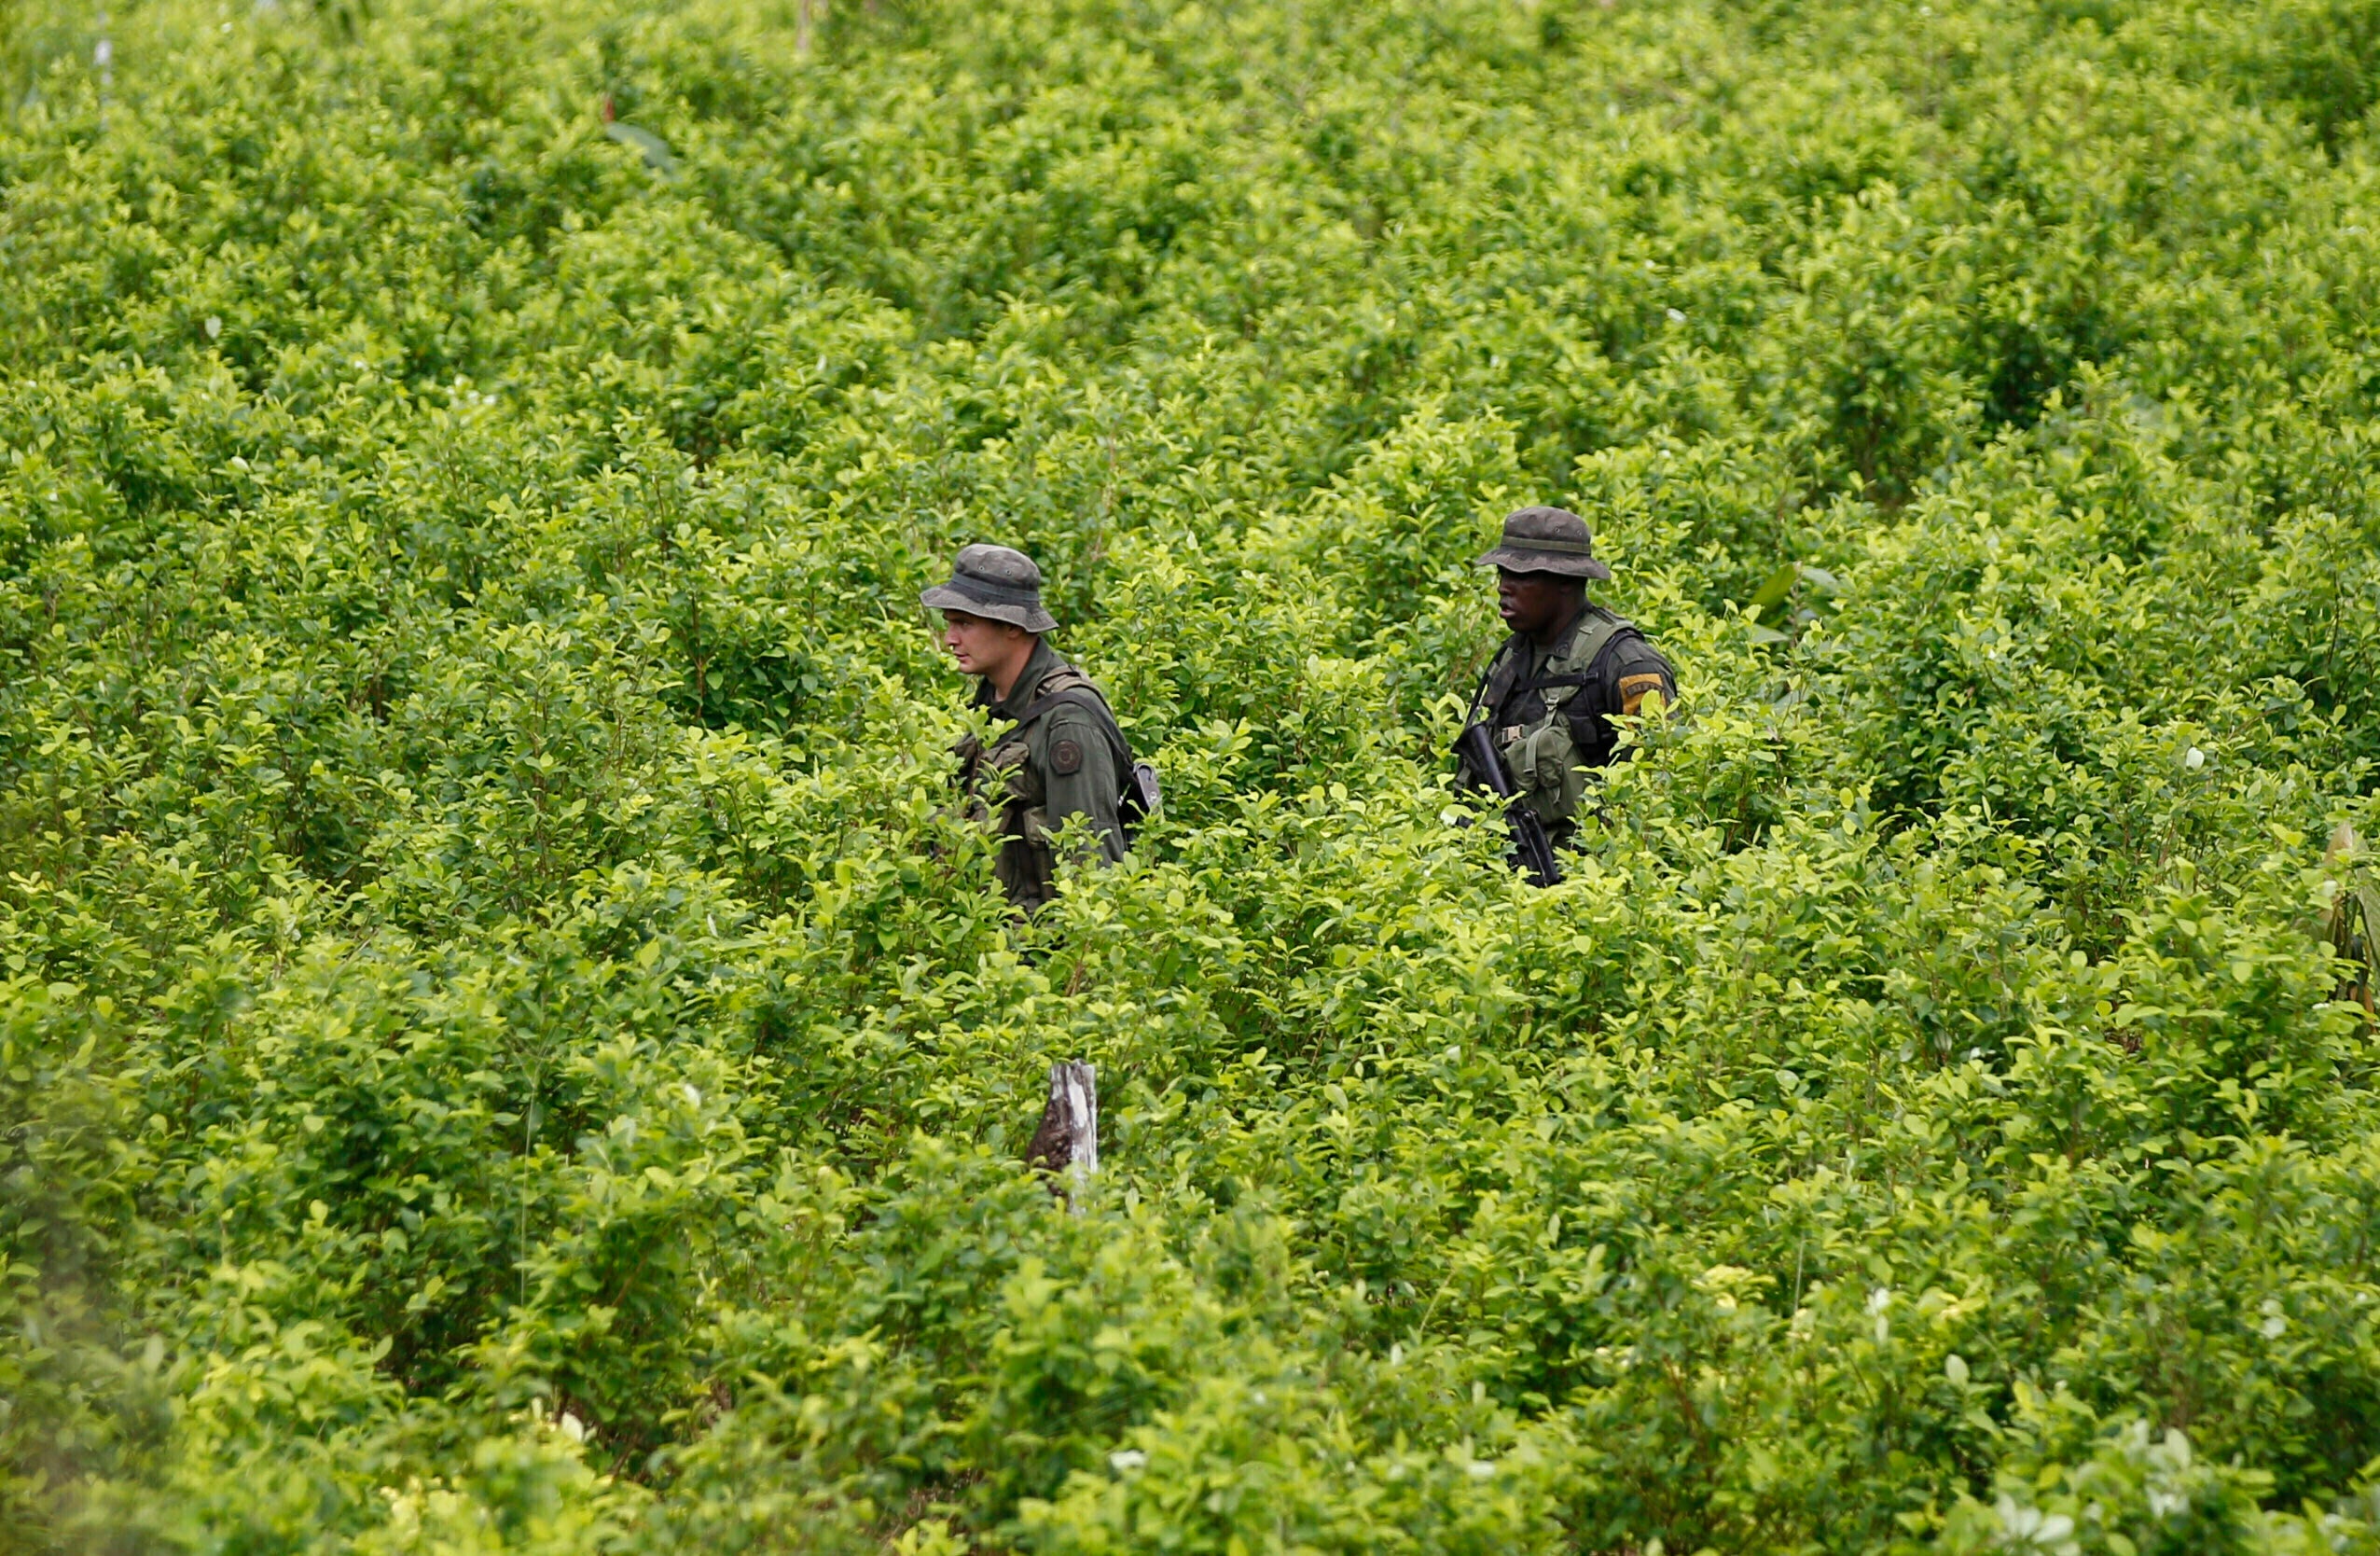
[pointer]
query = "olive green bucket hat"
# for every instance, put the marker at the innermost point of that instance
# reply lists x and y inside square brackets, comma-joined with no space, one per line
[995,582]
[1546,540]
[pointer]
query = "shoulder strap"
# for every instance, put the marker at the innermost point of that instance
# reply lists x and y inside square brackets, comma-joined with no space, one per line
[1080,696]
[1596,635]
[1071,687]
[1079,693]
[1495,682]
[1061,679]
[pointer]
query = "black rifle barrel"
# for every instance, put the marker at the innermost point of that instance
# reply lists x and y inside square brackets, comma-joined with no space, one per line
[1476,748]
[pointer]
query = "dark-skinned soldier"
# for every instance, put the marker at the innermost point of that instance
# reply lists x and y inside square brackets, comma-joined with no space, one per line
[1569,669]
[1056,753]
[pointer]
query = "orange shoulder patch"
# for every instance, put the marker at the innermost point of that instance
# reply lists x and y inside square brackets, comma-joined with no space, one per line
[1634,689]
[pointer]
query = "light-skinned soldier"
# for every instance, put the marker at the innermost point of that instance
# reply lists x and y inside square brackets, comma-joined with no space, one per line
[1055,751]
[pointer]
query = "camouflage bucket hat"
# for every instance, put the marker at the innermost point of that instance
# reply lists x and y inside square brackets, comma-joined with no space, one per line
[995,582]
[1546,540]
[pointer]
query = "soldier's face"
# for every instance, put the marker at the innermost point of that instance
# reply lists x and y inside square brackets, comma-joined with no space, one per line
[1530,603]
[981,645]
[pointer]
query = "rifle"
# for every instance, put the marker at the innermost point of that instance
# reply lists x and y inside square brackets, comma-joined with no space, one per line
[1475,749]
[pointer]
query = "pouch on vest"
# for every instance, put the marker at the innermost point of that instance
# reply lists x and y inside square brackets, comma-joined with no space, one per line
[1544,767]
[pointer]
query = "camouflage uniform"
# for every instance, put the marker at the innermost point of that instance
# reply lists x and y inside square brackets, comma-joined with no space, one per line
[1060,755]
[1551,709]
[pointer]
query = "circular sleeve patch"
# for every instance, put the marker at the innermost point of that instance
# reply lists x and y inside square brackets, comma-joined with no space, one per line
[1066,758]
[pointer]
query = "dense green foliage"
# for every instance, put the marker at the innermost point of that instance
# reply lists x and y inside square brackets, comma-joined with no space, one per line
[502,1045]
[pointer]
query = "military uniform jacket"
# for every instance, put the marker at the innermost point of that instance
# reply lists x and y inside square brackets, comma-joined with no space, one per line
[1064,761]
[1551,711]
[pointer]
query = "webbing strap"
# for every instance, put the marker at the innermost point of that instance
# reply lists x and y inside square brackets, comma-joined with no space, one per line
[1595,636]
[1081,697]
[1599,629]
[1089,699]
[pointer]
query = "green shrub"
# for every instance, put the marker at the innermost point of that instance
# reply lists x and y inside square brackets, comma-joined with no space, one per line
[506,1045]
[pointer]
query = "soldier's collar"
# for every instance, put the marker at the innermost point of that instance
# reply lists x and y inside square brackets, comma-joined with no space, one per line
[1037,669]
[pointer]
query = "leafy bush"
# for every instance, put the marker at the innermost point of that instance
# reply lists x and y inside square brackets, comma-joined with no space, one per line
[504,1043]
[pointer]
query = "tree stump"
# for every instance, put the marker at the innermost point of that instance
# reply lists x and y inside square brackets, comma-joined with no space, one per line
[1067,1144]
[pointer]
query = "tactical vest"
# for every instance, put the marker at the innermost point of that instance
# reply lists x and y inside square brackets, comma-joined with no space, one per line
[1006,793]
[1541,753]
